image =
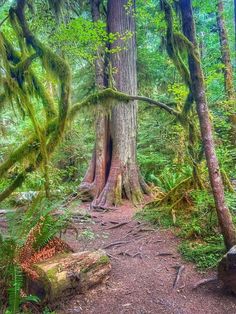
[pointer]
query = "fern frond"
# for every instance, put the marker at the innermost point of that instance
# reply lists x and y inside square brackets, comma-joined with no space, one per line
[16,284]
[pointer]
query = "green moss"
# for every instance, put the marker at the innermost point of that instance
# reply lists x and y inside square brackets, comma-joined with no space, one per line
[51,274]
[103,260]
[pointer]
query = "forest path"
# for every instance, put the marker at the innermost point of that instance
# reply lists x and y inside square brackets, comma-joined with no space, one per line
[144,267]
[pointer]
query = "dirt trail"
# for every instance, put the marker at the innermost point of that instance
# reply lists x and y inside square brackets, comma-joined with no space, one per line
[144,268]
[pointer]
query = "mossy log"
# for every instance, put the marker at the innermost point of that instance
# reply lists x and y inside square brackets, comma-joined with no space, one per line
[66,274]
[227,270]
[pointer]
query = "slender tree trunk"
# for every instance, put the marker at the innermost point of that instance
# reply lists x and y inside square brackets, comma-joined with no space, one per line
[225,51]
[116,138]
[235,33]
[228,69]
[197,78]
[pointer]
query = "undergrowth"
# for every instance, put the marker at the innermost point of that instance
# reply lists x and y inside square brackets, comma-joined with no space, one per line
[195,223]
[31,236]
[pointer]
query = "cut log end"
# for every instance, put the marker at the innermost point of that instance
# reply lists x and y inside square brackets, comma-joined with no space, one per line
[67,274]
[227,270]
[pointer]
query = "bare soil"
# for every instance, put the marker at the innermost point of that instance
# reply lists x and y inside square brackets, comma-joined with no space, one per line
[144,268]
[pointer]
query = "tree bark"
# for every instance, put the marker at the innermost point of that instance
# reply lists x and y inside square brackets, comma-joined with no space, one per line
[119,176]
[95,177]
[198,89]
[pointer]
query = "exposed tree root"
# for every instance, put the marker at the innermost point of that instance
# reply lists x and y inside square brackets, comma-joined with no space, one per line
[204,282]
[115,244]
[178,276]
[119,225]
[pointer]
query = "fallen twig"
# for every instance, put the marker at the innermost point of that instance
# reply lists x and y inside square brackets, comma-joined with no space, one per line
[156,241]
[178,275]
[164,254]
[204,282]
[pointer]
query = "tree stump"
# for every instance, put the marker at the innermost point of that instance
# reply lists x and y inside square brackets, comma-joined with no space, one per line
[227,270]
[68,273]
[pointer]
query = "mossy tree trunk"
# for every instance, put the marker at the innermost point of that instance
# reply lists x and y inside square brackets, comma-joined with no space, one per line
[198,89]
[235,32]
[228,69]
[225,51]
[116,137]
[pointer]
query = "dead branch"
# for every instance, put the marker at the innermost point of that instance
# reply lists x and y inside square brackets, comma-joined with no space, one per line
[164,254]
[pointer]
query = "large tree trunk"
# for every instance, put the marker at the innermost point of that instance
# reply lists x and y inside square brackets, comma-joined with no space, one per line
[120,175]
[198,88]
[95,177]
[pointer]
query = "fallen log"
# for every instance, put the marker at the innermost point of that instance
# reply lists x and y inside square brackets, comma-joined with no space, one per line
[227,270]
[67,274]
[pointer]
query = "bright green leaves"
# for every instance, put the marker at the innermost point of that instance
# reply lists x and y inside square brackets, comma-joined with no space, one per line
[82,39]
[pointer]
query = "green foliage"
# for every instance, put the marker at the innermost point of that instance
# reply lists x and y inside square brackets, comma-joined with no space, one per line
[197,226]
[20,225]
[16,284]
[171,176]
[158,217]
[204,255]
[88,234]
[47,311]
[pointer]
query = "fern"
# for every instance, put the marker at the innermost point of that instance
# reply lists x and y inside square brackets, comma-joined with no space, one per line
[50,228]
[14,290]
[20,229]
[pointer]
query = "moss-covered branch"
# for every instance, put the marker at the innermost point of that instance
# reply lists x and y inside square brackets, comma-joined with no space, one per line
[30,146]
[25,149]
[51,62]
[33,144]
[100,97]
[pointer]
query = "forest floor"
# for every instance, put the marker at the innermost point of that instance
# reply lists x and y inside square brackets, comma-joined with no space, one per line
[144,268]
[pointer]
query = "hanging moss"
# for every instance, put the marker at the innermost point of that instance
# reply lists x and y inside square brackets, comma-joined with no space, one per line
[16,27]
[41,92]
[176,44]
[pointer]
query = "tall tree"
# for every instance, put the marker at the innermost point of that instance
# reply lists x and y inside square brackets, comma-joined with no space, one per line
[225,51]
[95,177]
[119,175]
[226,60]
[235,31]
[198,90]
